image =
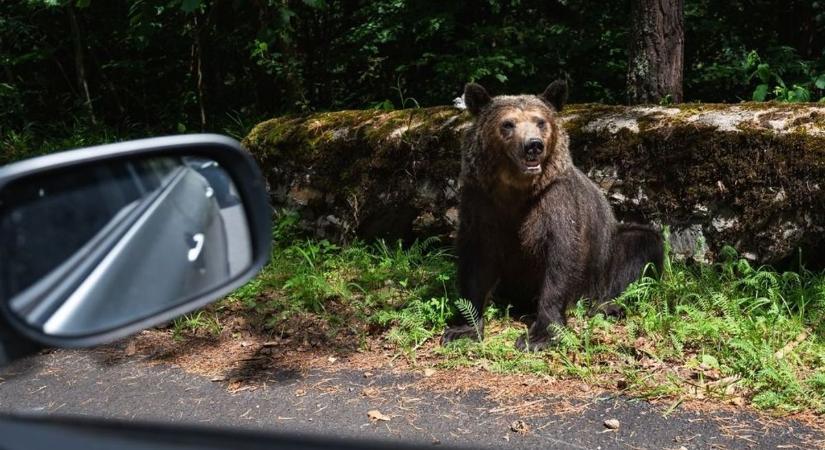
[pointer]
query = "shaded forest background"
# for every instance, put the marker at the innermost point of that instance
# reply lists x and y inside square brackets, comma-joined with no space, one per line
[220,65]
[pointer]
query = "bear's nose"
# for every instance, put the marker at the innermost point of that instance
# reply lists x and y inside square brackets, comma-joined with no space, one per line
[533,146]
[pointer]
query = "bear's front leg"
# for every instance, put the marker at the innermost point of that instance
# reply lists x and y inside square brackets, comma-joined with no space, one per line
[559,288]
[540,335]
[477,276]
[476,279]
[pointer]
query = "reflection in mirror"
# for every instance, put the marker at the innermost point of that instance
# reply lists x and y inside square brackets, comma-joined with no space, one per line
[87,250]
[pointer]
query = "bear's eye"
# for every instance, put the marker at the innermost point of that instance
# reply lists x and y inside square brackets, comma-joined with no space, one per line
[508,126]
[541,123]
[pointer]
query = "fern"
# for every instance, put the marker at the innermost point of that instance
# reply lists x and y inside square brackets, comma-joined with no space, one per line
[468,311]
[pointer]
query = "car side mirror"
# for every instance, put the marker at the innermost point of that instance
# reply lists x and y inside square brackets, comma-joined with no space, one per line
[101,242]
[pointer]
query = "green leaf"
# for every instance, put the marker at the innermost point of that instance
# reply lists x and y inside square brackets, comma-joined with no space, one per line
[501,77]
[386,105]
[190,5]
[752,59]
[763,71]
[820,82]
[83,3]
[800,94]
[760,93]
[710,361]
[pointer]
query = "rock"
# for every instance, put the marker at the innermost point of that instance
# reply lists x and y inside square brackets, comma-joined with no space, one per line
[612,424]
[520,427]
[376,415]
[689,243]
[749,175]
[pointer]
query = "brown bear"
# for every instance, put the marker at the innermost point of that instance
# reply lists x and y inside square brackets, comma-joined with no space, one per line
[532,226]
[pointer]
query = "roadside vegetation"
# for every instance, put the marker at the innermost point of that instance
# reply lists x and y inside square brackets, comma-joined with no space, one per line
[728,331]
[35,139]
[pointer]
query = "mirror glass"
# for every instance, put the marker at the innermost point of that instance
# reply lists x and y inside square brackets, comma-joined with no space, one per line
[91,248]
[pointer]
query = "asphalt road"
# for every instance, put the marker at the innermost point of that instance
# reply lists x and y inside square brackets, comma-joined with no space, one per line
[333,403]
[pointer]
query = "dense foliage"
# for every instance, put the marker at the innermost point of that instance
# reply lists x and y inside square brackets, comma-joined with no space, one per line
[190,64]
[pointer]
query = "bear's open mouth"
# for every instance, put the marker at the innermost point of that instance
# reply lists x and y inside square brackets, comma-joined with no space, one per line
[532,166]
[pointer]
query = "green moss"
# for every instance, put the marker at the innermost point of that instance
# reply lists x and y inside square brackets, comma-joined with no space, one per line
[684,166]
[677,162]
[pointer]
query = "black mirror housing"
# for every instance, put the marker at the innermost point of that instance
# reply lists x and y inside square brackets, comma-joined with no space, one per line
[224,177]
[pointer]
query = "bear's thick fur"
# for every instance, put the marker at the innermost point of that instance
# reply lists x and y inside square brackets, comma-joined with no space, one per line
[532,226]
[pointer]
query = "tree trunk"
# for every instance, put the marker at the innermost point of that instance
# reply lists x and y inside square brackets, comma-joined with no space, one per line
[749,175]
[654,72]
[80,67]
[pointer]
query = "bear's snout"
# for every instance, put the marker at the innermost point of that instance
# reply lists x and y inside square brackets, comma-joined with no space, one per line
[533,147]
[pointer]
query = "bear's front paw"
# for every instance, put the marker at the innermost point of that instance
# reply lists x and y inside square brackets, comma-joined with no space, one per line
[461,331]
[535,343]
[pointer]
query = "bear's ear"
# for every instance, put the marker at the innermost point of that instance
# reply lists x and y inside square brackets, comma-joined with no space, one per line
[475,97]
[556,94]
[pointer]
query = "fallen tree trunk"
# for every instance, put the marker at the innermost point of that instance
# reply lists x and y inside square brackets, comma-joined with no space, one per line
[748,175]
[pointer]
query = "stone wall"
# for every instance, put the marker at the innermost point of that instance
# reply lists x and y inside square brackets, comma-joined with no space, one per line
[748,175]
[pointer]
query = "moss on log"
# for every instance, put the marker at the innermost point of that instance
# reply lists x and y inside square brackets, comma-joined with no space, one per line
[748,175]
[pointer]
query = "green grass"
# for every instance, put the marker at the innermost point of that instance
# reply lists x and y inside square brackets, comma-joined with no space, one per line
[707,331]
[195,322]
[404,289]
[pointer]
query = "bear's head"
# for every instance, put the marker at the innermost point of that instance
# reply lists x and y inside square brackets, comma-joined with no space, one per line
[519,133]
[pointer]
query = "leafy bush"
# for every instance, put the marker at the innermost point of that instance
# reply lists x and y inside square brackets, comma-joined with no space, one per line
[810,81]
